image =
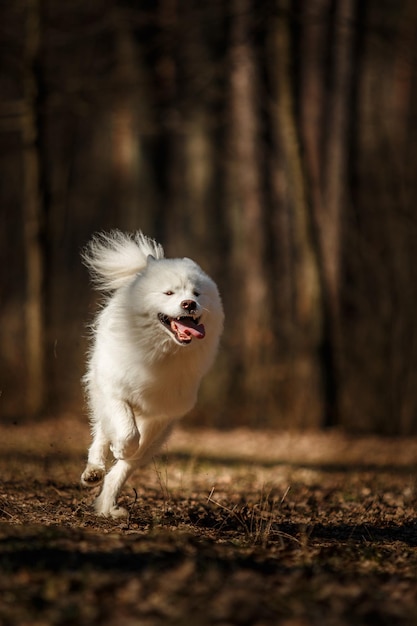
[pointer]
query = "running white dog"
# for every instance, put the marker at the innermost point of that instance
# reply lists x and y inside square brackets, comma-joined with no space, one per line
[154,340]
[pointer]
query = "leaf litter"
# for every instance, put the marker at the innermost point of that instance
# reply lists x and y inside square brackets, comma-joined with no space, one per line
[237,527]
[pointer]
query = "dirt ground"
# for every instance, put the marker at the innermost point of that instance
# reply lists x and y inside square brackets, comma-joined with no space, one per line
[239,527]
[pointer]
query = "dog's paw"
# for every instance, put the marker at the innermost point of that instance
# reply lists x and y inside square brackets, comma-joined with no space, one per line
[118,512]
[114,511]
[92,476]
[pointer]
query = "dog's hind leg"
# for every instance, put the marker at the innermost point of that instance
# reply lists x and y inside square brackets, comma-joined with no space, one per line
[123,430]
[113,429]
[93,474]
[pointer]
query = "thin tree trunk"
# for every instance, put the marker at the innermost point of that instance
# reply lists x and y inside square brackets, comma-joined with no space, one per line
[335,183]
[131,121]
[326,88]
[335,165]
[246,214]
[33,220]
[307,400]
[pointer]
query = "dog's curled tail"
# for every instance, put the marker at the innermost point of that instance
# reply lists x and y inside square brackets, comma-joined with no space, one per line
[114,258]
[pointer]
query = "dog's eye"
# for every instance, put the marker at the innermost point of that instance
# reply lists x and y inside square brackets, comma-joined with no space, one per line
[169,293]
[196,293]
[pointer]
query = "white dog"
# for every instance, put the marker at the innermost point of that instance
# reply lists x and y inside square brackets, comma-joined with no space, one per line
[154,340]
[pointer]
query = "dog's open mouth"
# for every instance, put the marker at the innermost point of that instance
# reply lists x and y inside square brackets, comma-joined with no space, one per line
[183,328]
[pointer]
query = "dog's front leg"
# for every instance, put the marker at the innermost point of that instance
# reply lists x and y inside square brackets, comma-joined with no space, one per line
[96,464]
[153,434]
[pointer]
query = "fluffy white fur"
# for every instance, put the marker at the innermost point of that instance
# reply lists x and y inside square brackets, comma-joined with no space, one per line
[154,339]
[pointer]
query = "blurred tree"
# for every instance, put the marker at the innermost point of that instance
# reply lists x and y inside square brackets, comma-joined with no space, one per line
[379,284]
[307,403]
[246,221]
[34,214]
[274,142]
[327,48]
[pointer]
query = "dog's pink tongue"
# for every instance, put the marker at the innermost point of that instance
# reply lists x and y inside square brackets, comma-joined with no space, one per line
[186,328]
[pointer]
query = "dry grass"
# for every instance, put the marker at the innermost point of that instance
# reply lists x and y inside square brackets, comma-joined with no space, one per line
[225,528]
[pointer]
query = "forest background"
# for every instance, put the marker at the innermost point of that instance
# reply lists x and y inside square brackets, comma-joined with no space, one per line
[274,142]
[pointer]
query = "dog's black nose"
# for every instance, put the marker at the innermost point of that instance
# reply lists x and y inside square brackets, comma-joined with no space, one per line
[189,305]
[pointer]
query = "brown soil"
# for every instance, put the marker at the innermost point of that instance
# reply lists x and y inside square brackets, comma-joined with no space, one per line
[241,527]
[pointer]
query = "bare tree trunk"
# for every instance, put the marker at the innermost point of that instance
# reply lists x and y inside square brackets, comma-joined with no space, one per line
[245,210]
[313,46]
[199,158]
[327,53]
[335,184]
[406,106]
[307,401]
[171,127]
[335,165]
[130,122]
[33,221]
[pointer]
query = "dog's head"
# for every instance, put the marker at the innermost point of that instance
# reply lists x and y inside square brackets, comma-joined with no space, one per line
[182,299]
